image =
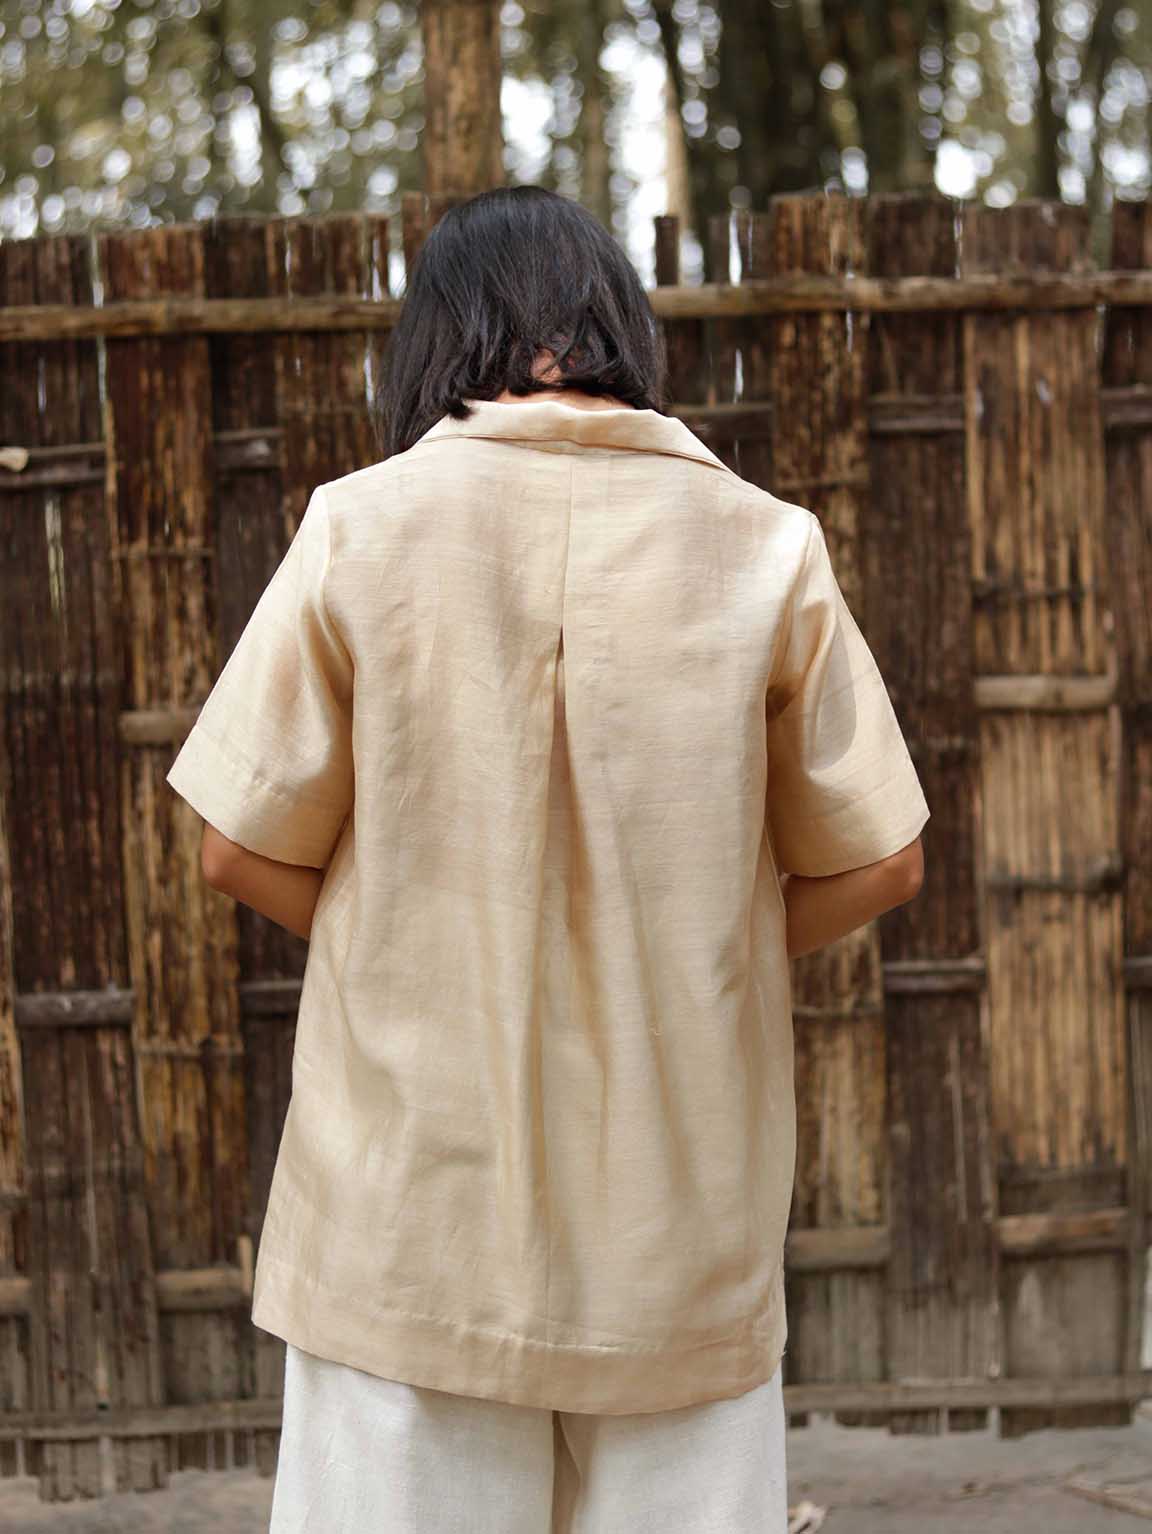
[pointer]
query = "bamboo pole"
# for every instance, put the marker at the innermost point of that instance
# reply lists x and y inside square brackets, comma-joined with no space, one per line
[783,295]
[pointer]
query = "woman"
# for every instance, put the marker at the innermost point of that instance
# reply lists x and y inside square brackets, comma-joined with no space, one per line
[558,740]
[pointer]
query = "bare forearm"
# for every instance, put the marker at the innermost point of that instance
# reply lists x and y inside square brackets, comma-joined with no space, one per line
[821,910]
[285,893]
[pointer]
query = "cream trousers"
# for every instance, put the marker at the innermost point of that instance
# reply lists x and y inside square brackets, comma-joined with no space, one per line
[364,1455]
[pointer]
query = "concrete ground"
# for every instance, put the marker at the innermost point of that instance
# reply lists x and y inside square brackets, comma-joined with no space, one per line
[865,1480]
[975,1483]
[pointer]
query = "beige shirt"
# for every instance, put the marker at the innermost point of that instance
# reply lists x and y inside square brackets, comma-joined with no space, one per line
[553,696]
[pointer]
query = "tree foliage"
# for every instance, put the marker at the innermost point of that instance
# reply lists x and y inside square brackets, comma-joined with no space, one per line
[134,111]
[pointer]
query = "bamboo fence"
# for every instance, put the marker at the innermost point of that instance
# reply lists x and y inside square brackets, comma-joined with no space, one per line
[967,406]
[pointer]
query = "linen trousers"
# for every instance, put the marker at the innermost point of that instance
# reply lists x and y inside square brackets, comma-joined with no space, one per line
[364,1455]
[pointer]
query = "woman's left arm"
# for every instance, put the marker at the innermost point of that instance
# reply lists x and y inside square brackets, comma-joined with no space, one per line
[285,893]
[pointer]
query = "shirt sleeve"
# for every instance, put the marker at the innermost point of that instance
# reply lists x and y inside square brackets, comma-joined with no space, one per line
[268,761]
[842,788]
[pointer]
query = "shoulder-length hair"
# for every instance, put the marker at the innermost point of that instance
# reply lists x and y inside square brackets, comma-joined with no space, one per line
[500,277]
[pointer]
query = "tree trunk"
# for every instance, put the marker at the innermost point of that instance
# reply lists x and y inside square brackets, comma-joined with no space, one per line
[768,90]
[463,139]
[595,160]
[1099,55]
[1046,166]
[880,44]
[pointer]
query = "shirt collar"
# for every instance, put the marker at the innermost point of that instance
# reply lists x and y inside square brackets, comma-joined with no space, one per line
[551,420]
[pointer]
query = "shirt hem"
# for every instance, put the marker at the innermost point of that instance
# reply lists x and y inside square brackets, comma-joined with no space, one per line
[884,842]
[519,1370]
[247,810]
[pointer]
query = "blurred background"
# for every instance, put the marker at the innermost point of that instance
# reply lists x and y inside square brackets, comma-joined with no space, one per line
[135,112]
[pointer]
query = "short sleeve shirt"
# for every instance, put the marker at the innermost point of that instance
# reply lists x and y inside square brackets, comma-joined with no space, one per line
[553,698]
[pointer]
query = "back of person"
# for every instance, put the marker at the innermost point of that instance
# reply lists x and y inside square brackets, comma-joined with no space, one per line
[554,699]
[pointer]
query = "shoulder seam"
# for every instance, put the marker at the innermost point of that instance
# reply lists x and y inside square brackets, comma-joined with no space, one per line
[782,648]
[322,497]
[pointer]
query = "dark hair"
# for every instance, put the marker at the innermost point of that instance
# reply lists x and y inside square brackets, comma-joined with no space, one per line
[501,276]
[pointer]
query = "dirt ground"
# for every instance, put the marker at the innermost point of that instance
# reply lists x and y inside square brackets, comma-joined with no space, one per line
[867,1481]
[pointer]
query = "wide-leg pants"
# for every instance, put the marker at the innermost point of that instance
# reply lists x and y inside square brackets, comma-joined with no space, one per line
[365,1455]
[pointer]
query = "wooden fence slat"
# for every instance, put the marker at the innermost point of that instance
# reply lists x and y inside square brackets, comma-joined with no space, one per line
[1124,410]
[868,1398]
[755,439]
[251,538]
[685,337]
[314,388]
[181,934]
[952,436]
[89,1335]
[15,1383]
[991,293]
[942,1277]
[1127,366]
[817,386]
[722,336]
[1049,786]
